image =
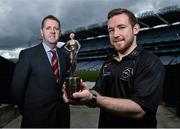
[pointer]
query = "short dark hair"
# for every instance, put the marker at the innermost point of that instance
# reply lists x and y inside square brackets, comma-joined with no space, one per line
[133,20]
[50,17]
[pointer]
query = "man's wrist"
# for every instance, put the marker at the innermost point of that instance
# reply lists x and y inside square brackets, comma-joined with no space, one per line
[93,101]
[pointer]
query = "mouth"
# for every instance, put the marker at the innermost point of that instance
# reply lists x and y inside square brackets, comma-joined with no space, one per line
[52,37]
[118,41]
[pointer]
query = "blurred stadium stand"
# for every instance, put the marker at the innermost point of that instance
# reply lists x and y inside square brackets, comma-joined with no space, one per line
[160,33]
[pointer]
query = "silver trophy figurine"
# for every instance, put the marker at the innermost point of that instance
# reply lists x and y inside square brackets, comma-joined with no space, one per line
[72,82]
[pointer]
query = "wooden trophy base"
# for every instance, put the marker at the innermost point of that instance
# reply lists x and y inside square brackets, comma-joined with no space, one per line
[72,86]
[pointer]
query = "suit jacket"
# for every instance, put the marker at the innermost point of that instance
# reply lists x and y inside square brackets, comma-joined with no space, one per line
[36,92]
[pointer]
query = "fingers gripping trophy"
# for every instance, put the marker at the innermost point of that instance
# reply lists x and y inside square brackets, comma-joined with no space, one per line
[72,82]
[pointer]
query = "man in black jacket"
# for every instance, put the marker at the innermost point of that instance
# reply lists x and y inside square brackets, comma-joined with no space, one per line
[129,87]
[37,86]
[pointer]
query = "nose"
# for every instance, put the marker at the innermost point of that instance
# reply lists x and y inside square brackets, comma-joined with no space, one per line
[53,30]
[116,33]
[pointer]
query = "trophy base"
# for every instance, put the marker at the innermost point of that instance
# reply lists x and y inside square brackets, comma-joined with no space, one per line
[72,86]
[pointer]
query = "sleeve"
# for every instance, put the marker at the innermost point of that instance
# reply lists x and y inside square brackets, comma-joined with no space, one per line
[148,84]
[20,79]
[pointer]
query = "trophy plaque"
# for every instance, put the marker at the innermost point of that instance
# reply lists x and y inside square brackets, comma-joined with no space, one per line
[72,82]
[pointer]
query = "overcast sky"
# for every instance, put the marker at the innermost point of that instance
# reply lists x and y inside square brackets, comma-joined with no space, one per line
[20,20]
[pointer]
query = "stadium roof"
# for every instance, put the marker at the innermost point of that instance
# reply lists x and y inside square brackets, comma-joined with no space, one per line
[150,19]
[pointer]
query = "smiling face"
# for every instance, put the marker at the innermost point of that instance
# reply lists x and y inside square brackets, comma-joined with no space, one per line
[122,34]
[50,32]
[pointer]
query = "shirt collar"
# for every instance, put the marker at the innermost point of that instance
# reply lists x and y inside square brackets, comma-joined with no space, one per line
[135,52]
[47,48]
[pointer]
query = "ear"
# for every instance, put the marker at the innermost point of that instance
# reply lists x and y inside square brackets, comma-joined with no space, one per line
[41,32]
[136,29]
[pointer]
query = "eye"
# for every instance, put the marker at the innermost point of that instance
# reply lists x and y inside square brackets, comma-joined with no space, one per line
[47,28]
[56,28]
[110,30]
[121,27]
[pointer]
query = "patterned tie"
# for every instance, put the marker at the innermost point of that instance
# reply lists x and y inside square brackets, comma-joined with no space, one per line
[55,65]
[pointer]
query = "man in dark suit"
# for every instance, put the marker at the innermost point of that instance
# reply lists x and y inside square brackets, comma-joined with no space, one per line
[36,87]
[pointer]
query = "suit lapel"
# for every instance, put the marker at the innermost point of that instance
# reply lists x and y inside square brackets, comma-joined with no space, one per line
[45,61]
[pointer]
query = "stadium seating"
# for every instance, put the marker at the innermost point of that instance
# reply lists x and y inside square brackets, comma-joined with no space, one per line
[163,41]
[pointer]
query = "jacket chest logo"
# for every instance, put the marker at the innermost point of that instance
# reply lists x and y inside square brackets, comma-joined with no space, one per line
[126,73]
